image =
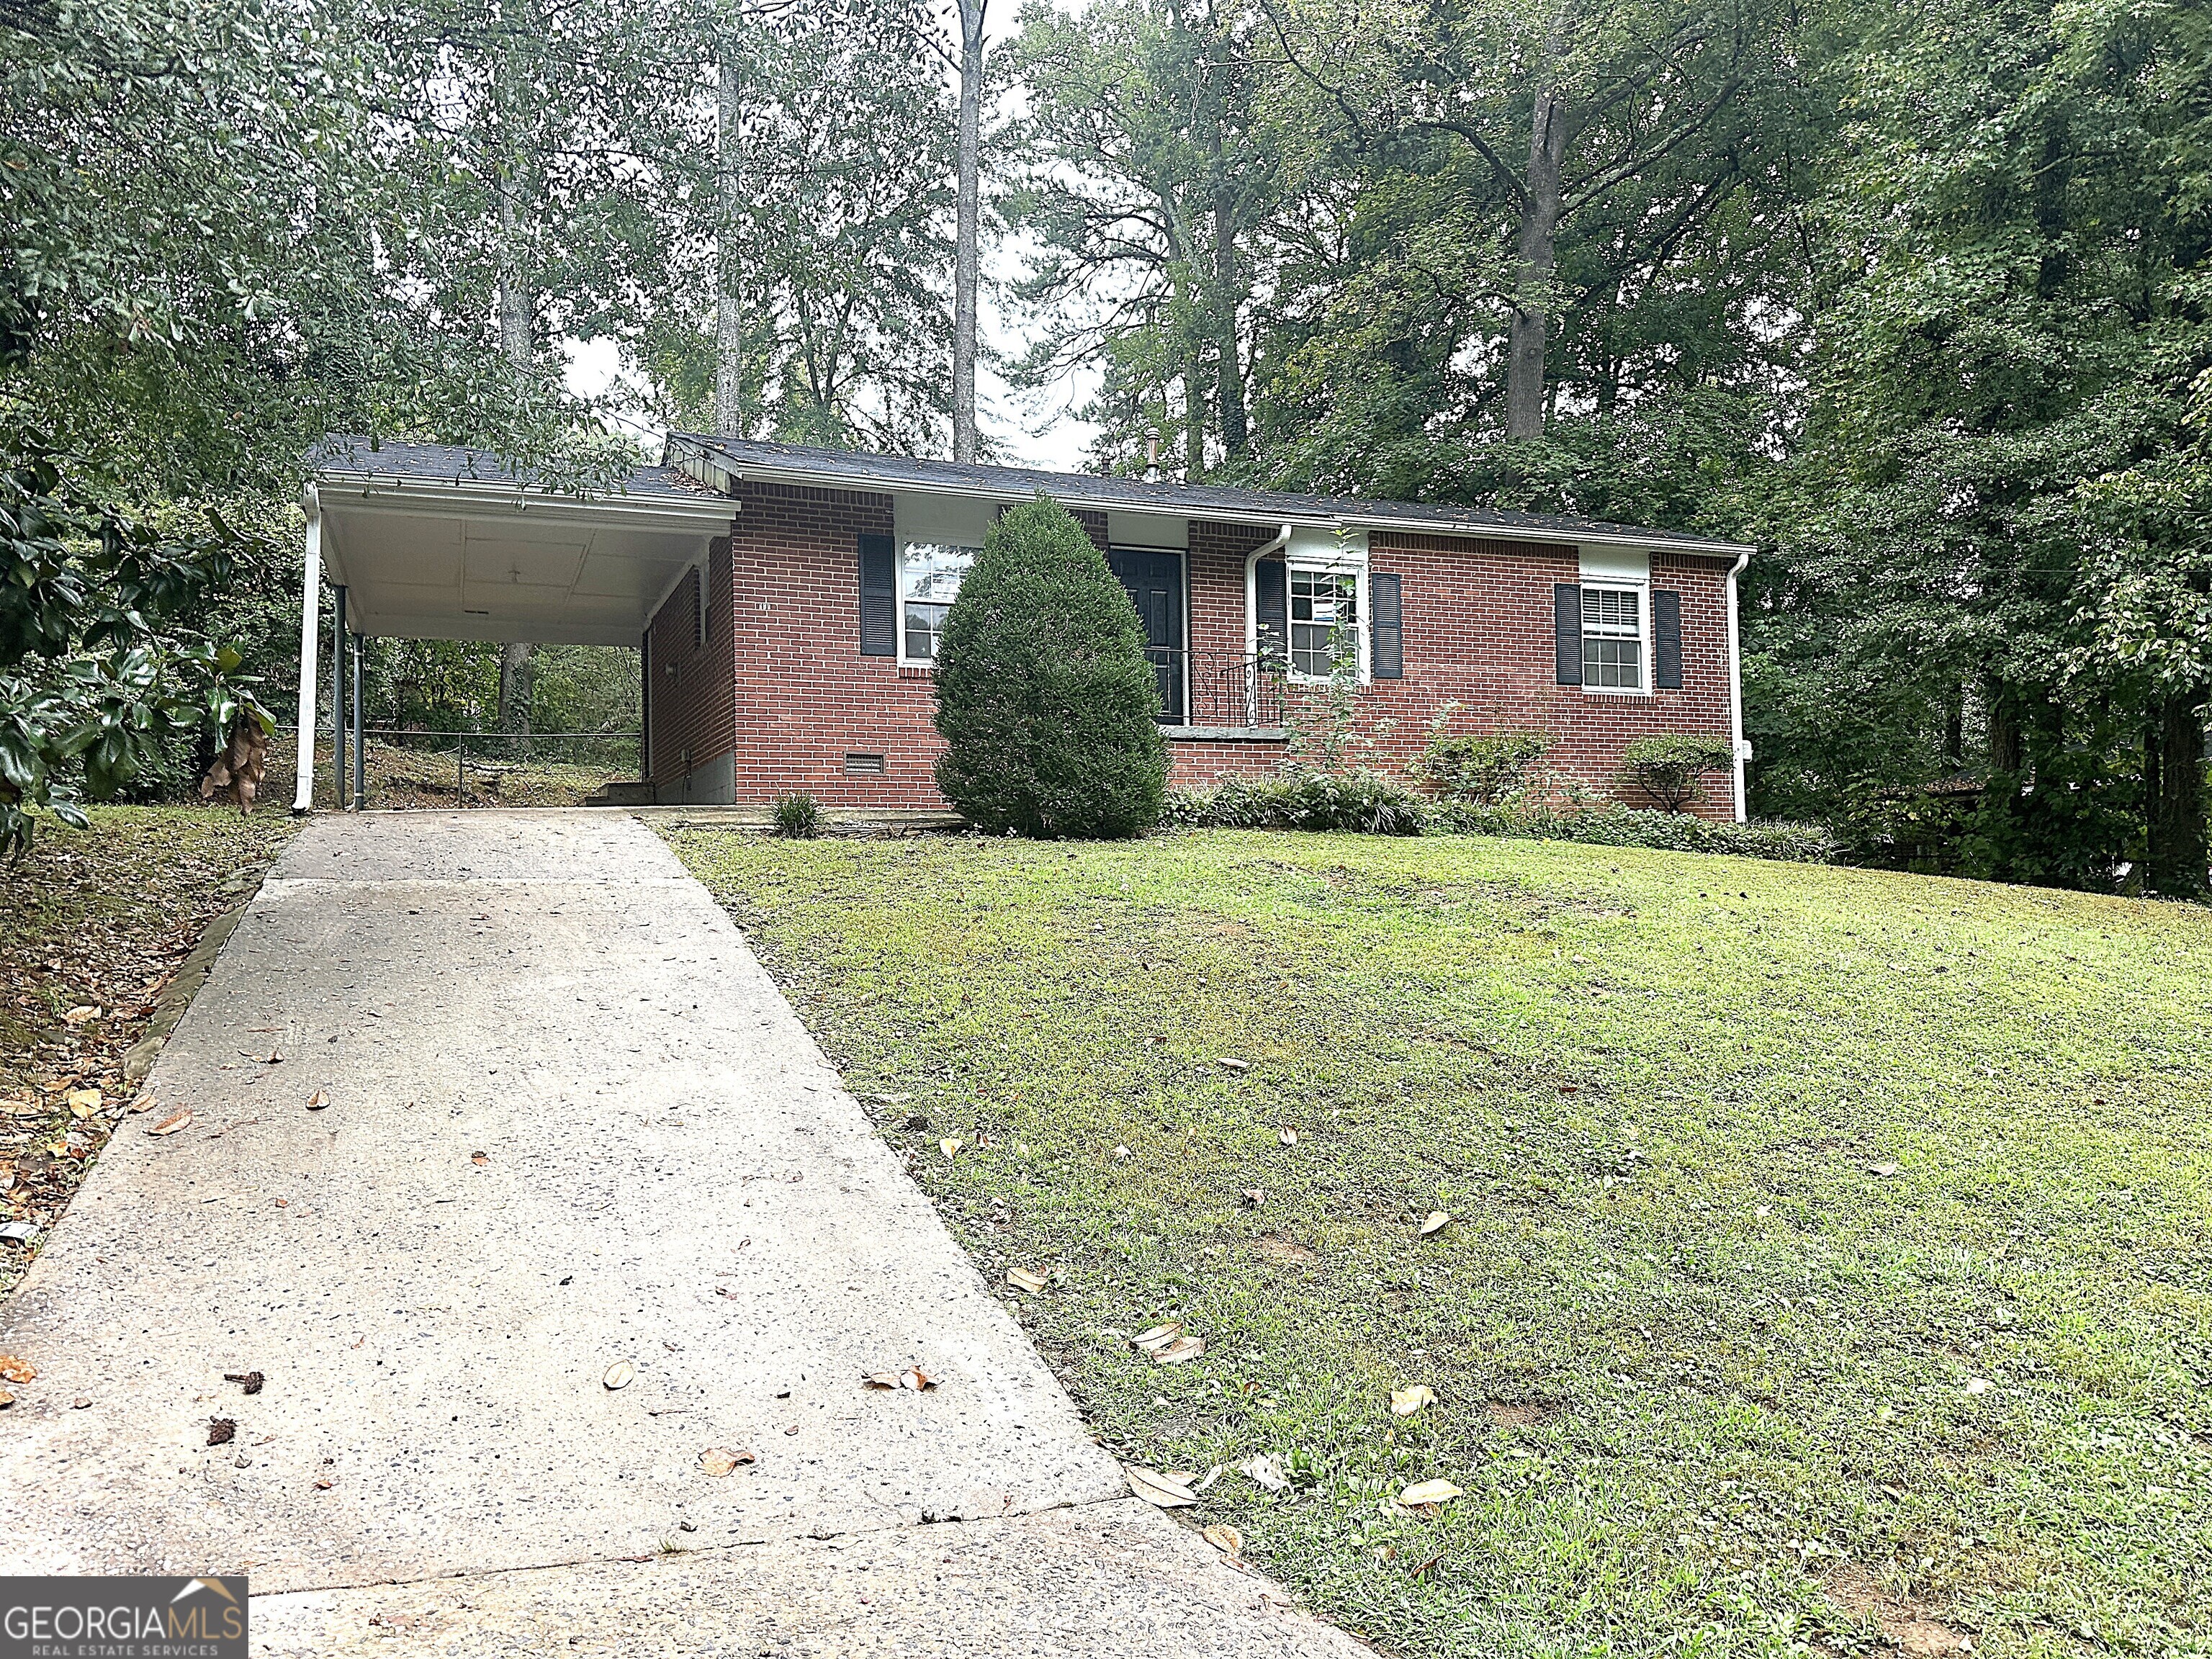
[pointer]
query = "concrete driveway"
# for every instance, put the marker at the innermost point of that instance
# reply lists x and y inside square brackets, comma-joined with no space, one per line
[489,1109]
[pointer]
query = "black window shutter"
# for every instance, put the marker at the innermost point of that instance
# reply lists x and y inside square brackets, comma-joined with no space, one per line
[1567,632]
[1386,598]
[1666,638]
[1271,606]
[878,598]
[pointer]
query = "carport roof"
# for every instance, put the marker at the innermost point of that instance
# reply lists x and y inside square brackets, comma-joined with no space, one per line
[440,541]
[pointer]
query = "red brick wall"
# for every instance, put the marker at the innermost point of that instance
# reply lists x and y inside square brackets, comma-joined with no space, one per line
[694,687]
[798,696]
[807,695]
[1478,632]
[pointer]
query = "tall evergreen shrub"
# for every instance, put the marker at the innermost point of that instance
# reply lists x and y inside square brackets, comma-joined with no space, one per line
[1047,703]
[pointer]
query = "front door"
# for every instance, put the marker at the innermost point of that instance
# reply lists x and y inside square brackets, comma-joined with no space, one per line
[1154,580]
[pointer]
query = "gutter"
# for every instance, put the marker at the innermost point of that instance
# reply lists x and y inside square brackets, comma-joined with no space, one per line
[439,495]
[1741,748]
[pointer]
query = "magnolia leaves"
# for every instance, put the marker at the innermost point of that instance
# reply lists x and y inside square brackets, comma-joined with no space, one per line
[1405,1402]
[1168,1346]
[1163,1491]
[171,1124]
[1425,1494]
[1023,1280]
[719,1461]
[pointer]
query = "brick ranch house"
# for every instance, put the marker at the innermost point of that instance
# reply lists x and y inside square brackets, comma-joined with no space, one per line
[786,602]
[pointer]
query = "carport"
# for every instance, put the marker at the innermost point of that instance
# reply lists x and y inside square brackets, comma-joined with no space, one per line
[434,542]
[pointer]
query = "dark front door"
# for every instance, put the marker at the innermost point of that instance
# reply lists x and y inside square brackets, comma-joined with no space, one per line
[1154,580]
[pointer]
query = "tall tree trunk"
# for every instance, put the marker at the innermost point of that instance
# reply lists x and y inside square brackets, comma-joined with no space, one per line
[729,308]
[1228,367]
[514,686]
[517,304]
[518,320]
[1536,256]
[2175,864]
[965,266]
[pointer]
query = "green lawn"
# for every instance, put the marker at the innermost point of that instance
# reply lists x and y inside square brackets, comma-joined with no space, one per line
[1829,1262]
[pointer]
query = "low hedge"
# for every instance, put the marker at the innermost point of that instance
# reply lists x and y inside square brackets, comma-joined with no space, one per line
[1363,802]
[1629,826]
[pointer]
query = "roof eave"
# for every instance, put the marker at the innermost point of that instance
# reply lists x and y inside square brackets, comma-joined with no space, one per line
[719,470]
[483,495]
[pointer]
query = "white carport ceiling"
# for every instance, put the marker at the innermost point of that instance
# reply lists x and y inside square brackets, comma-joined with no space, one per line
[432,559]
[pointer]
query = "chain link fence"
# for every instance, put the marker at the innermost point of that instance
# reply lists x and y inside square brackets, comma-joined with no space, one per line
[415,768]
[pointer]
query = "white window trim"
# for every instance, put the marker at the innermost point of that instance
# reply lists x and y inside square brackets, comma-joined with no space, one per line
[1362,626]
[899,592]
[1646,646]
[1310,549]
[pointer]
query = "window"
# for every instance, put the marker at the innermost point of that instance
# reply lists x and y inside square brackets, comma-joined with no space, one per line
[1324,619]
[1613,638]
[929,578]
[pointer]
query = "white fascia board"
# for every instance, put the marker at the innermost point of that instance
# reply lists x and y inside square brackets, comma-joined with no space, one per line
[381,493]
[1656,542]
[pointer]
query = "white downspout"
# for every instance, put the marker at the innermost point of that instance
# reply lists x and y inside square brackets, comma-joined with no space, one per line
[1742,749]
[311,601]
[1281,540]
[1279,543]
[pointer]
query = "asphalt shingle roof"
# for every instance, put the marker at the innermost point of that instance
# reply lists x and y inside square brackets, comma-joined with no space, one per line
[841,468]
[342,456]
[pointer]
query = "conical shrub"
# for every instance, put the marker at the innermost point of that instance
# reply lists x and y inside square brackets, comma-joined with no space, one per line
[1047,703]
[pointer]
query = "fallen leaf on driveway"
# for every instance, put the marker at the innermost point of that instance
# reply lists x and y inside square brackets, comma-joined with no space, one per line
[880,1380]
[1436,1222]
[317,1101]
[323,1483]
[144,1103]
[719,1461]
[170,1125]
[1175,1353]
[1428,1492]
[619,1375]
[1160,1489]
[222,1430]
[917,1379]
[1226,1538]
[1023,1280]
[17,1371]
[250,1382]
[1288,1136]
[1404,1402]
[479,1158]
[1159,1337]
